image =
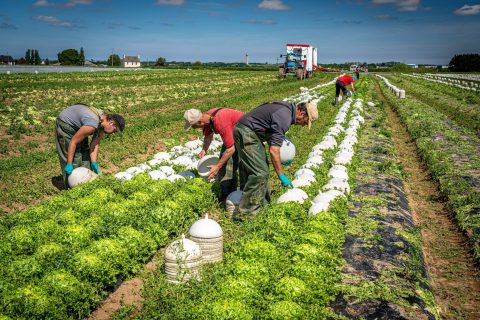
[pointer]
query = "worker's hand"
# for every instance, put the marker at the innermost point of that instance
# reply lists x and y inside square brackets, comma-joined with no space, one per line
[213,172]
[68,168]
[94,166]
[355,93]
[287,163]
[202,154]
[285,181]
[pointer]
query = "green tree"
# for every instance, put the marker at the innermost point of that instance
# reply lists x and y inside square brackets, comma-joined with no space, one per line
[161,62]
[36,57]
[69,57]
[465,63]
[400,67]
[47,62]
[113,60]
[81,57]
[27,56]
[197,63]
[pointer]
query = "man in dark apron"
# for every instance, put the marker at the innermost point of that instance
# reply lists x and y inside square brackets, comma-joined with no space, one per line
[220,121]
[268,122]
[73,127]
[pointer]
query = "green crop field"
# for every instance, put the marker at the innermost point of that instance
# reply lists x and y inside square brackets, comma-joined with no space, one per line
[362,256]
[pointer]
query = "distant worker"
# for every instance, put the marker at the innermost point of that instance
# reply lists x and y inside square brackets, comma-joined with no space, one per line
[342,84]
[268,122]
[73,127]
[221,121]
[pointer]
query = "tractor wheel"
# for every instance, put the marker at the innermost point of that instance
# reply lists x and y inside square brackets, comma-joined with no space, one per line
[281,73]
[299,74]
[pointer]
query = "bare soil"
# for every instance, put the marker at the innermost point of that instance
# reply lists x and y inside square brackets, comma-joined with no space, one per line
[454,277]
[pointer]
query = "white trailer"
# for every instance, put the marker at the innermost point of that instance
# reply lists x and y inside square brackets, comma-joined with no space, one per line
[301,60]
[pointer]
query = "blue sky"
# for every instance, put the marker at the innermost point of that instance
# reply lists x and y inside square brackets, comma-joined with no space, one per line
[410,31]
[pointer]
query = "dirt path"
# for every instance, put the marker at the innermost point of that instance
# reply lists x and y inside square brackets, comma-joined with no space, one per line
[454,277]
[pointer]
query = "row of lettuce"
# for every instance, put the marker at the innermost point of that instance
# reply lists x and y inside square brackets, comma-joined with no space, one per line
[452,154]
[459,105]
[59,259]
[383,252]
[280,264]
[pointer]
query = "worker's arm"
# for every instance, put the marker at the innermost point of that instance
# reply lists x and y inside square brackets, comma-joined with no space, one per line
[79,136]
[223,160]
[94,146]
[207,140]
[275,158]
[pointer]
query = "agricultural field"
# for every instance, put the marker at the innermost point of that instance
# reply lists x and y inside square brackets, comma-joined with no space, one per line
[381,247]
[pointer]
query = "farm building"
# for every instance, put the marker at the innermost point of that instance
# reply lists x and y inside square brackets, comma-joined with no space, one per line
[353,67]
[6,60]
[131,61]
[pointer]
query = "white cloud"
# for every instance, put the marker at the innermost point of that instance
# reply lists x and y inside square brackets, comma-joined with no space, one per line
[467,10]
[272,5]
[170,2]
[255,21]
[54,21]
[402,5]
[66,4]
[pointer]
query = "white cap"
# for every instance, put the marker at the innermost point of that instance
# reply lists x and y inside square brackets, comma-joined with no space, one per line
[191,117]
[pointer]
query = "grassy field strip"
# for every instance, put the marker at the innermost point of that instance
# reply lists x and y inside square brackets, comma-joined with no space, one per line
[384,274]
[140,139]
[458,105]
[453,157]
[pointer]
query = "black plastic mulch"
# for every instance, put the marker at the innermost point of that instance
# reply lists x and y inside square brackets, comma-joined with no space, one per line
[384,276]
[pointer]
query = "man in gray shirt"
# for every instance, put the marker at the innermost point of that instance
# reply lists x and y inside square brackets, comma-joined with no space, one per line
[73,127]
[268,122]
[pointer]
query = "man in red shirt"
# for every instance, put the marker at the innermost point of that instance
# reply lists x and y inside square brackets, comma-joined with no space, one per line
[221,121]
[342,84]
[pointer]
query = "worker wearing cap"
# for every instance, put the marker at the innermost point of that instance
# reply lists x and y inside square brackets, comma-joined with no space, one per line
[73,127]
[268,122]
[342,83]
[221,121]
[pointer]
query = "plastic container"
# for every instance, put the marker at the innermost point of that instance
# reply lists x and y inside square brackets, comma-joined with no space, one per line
[233,201]
[287,150]
[157,175]
[124,176]
[81,175]
[209,236]
[183,260]
[204,163]
[293,195]
[187,174]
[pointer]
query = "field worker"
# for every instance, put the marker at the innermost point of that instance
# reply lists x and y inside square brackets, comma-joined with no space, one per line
[342,84]
[73,127]
[268,122]
[220,121]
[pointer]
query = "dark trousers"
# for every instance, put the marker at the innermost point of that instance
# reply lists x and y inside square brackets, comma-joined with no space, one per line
[339,85]
[64,134]
[253,169]
[227,175]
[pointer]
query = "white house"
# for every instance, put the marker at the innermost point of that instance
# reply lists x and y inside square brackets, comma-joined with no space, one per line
[353,67]
[131,61]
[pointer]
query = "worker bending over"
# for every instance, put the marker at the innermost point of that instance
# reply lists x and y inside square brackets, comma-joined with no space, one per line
[268,122]
[73,127]
[220,121]
[342,84]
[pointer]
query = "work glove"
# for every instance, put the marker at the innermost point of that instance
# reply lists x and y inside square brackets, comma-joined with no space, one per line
[287,163]
[355,93]
[285,181]
[94,166]
[68,168]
